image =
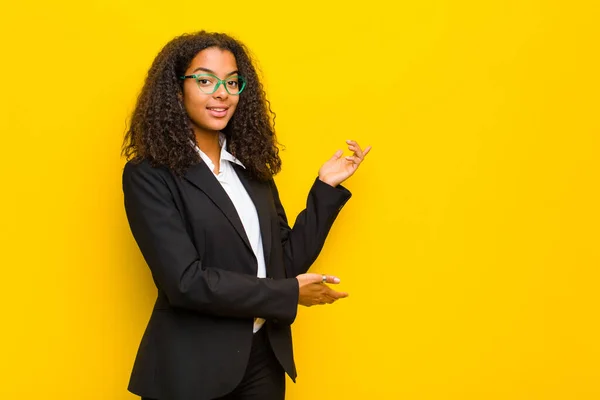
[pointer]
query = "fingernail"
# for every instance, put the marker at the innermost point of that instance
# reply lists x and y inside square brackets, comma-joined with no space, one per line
[336,280]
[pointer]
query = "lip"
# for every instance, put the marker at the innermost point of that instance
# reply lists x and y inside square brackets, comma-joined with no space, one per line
[218,112]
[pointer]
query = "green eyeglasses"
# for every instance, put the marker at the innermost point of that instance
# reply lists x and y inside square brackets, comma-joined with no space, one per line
[209,83]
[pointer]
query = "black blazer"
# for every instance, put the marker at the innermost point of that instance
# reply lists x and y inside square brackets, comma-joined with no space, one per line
[197,342]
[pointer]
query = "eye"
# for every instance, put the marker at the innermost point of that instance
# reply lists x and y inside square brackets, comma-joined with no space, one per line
[232,84]
[205,81]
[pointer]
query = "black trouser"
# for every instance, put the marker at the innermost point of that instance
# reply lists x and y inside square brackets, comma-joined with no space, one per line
[264,378]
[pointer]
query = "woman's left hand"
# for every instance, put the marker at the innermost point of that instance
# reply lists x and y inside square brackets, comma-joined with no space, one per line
[337,169]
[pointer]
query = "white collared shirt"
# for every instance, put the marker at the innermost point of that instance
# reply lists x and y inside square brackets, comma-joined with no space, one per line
[244,205]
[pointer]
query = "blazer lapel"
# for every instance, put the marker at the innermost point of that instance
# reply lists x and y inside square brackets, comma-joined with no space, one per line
[202,177]
[259,194]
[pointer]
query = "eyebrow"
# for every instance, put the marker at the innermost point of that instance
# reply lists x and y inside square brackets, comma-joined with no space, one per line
[212,72]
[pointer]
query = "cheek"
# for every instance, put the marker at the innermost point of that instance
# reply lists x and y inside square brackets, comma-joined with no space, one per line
[192,100]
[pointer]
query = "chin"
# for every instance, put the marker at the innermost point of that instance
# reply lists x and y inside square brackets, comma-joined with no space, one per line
[219,127]
[214,125]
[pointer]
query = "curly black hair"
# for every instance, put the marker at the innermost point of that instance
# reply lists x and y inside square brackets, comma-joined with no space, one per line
[160,130]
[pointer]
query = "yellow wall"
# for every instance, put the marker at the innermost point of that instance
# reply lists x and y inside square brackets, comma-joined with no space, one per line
[470,248]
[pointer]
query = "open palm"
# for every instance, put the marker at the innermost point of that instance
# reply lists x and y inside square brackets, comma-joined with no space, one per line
[337,169]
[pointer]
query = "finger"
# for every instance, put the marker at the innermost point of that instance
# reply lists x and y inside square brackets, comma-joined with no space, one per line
[356,149]
[353,146]
[353,159]
[315,278]
[318,278]
[323,298]
[337,155]
[353,143]
[331,299]
[360,152]
[330,279]
[337,295]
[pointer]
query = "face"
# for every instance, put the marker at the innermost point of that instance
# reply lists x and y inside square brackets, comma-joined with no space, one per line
[210,112]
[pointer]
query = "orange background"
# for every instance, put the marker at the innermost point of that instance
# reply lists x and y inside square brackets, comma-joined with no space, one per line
[470,248]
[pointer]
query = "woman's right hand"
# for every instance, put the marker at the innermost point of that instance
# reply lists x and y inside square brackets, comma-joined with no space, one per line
[313,290]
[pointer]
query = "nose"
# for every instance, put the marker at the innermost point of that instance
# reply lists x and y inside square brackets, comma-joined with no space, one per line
[220,93]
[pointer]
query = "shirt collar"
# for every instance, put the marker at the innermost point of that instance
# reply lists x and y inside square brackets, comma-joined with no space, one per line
[225,155]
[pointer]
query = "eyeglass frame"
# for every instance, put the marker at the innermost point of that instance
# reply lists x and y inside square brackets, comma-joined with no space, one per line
[219,82]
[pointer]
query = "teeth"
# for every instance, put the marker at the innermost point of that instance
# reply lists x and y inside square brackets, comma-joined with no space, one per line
[217,109]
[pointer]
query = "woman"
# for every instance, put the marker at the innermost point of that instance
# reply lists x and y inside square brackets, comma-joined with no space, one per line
[205,212]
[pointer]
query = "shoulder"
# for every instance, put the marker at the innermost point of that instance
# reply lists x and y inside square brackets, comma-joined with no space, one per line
[138,171]
[144,167]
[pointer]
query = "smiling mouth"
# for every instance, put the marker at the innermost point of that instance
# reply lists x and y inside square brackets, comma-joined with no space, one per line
[218,112]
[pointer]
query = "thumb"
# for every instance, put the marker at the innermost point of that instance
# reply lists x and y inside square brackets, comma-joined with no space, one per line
[337,155]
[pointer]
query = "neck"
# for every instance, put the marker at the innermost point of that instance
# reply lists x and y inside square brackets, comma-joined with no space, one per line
[208,142]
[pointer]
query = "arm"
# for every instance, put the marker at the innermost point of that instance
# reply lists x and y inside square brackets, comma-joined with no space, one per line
[303,243]
[176,267]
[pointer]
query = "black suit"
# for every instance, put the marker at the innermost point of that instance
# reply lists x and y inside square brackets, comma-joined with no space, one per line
[198,339]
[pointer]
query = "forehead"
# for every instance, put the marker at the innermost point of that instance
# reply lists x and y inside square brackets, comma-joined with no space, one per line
[218,60]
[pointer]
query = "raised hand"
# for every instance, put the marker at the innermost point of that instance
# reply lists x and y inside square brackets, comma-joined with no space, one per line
[337,169]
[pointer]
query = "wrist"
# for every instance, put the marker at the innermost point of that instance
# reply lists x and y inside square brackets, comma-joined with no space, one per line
[328,181]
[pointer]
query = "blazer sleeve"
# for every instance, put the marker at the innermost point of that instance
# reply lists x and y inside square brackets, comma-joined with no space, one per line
[303,243]
[160,233]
